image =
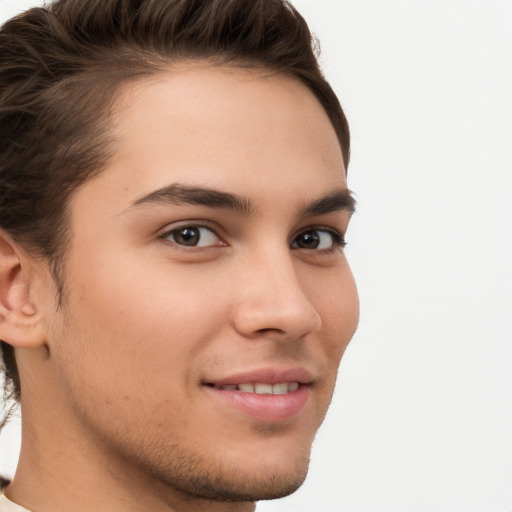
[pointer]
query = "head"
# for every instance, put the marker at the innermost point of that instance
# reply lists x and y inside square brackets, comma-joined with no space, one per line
[173,203]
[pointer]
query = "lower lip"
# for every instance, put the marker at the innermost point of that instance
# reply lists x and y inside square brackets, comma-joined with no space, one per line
[269,408]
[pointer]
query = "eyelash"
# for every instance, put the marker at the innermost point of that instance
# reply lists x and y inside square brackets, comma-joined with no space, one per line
[338,240]
[193,225]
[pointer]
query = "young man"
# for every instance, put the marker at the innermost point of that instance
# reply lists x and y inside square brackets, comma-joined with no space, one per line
[175,299]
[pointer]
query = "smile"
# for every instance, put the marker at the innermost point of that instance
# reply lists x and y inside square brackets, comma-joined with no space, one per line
[277,401]
[281,388]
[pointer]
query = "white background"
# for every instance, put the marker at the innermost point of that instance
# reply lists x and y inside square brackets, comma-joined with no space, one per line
[422,415]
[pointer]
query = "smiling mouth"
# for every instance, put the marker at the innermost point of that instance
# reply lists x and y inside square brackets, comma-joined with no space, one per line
[269,395]
[280,388]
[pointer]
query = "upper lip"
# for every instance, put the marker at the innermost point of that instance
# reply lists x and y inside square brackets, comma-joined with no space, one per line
[265,376]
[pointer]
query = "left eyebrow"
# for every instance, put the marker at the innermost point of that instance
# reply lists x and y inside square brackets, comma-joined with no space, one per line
[338,200]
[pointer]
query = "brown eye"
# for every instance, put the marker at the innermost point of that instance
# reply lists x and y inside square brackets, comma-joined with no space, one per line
[308,240]
[317,239]
[193,236]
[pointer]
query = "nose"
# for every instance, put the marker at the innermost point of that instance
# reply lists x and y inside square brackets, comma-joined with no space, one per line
[272,302]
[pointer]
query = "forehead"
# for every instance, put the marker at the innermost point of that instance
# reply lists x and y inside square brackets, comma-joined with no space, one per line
[249,131]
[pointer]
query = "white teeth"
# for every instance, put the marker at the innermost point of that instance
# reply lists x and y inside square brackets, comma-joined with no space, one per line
[293,386]
[263,389]
[282,388]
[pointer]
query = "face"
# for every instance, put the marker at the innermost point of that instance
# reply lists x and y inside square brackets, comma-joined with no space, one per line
[208,300]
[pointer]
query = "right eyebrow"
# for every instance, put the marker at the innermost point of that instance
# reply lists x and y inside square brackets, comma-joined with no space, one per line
[179,194]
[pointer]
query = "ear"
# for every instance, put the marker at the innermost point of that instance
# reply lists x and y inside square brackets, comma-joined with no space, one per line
[21,324]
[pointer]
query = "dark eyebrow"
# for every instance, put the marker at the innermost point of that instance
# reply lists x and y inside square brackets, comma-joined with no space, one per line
[180,194]
[338,200]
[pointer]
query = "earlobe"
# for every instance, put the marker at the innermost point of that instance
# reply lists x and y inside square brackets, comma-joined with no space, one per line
[20,323]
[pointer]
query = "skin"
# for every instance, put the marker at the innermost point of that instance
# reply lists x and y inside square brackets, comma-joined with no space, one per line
[116,413]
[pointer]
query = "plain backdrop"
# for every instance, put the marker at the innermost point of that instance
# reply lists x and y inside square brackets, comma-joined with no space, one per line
[422,416]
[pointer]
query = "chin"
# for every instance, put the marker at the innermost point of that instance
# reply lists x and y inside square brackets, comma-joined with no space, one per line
[273,466]
[242,484]
[226,478]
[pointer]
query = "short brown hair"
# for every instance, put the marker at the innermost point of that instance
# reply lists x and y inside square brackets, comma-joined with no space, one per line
[61,66]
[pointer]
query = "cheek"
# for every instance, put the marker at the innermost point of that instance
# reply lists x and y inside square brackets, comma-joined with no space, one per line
[151,325]
[338,305]
[336,299]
